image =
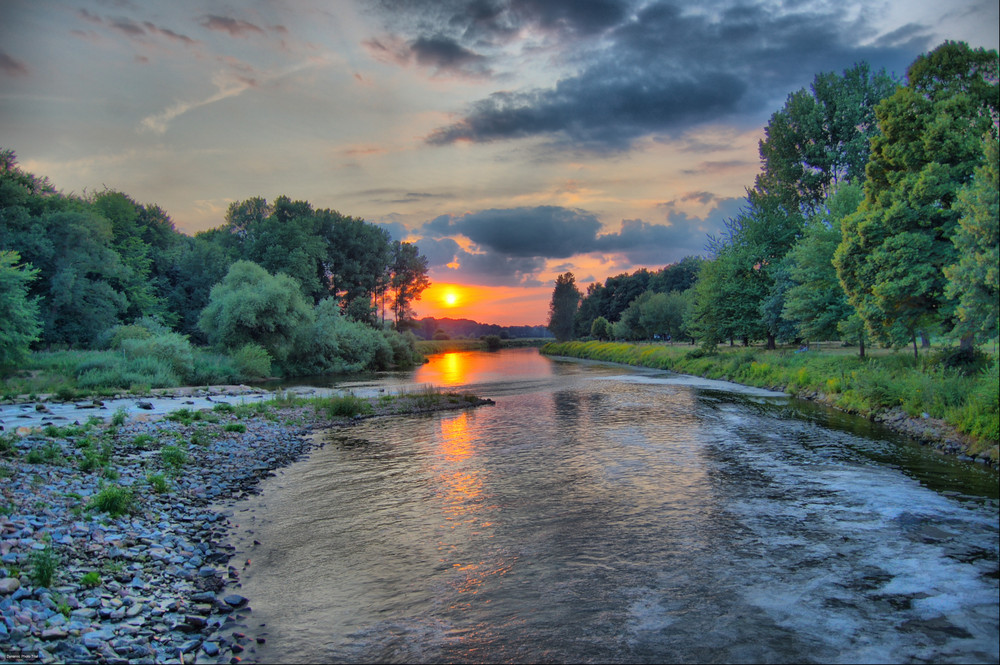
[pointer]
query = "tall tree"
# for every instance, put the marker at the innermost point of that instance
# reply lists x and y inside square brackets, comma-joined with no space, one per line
[820,138]
[894,249]
[409,279]
[974,281]
[816,301]
[562,308]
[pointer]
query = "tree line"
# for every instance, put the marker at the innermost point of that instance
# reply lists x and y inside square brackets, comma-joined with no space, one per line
[75,270]
[873,218]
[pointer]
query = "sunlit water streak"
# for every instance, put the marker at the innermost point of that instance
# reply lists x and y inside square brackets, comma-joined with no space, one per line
[597,514]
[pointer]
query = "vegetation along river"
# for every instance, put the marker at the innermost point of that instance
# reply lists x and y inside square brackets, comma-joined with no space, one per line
[600,513]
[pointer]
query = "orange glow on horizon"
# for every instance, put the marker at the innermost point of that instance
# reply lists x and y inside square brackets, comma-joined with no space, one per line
[501,305]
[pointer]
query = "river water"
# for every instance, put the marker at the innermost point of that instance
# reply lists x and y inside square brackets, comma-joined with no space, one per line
[606,514]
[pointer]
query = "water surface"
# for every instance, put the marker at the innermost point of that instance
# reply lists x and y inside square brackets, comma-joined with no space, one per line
[603,514]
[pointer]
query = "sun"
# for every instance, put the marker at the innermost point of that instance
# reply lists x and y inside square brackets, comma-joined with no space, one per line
[450,299]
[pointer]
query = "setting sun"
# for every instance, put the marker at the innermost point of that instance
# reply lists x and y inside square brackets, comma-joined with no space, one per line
[450,299]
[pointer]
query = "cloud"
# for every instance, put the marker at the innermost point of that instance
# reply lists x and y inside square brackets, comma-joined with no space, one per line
[235,27]
[443,54]
[660,70]
[544,231]
[133,29]
[12,66]
[512,246]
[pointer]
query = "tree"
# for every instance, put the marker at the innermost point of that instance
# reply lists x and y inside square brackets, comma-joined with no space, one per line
[562,309]
[973,280]
[409,279]
[820,138]
[251,305]
[816,301]
[895,248]
[599,329]
[18,312]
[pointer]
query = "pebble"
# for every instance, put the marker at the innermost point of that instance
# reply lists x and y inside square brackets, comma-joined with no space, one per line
[162,590]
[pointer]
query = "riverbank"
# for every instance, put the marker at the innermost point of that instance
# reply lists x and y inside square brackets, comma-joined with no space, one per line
[954,413]
[110,549]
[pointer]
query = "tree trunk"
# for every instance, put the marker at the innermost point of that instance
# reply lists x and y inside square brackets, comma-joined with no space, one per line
[925,341]
[967,343]
[861,344]
[915,352]
[770,342]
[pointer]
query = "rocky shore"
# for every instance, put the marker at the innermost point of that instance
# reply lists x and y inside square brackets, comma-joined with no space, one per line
[153,584]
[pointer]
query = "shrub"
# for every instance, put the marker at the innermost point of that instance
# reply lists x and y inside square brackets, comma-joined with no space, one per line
[90,580]
[235,427]
[174,458]
[253,361]
[345,406]
[158,482]
[119,417]
[173,350]
[493,342]
[114,500]
[44,563]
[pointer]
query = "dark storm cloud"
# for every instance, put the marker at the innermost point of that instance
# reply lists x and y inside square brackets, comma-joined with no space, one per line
[545,231]
[517,241]
[664,69]
[445,53]
[12,66]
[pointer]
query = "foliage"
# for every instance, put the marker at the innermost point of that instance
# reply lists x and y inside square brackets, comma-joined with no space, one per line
[44,563]
[253,361]
[562,309]
[18,311]
[174,458]
[600,329]
[895,248]
[251,305]
[816,301]
[820,138]
[344,406]
[90,579]
[974,281]
[115,500]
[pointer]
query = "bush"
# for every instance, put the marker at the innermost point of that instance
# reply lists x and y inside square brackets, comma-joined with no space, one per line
[90,580]
[44,563]
[158,483]
[235,427]
[493,342]
[345,406]
[252,361]
[114,500]
[174,458]
[171,349]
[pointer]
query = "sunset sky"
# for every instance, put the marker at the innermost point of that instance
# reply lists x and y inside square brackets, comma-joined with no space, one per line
[513,140]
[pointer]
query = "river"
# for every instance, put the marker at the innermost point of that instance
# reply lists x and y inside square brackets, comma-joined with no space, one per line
[600,513]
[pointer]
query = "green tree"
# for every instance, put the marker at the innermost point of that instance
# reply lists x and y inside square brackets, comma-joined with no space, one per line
[816,301]
[894,249]
[973,280]
[820,138]
[251,305]
[562,308]
[600,329]
[18,311]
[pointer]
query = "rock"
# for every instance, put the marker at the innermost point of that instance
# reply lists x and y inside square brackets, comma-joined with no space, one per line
[9,585]
[56,633]
[148,406]
[235,600]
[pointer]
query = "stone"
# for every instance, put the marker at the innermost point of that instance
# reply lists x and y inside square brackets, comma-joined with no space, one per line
[211,649]
[9,585]
[235,600]
[55,633]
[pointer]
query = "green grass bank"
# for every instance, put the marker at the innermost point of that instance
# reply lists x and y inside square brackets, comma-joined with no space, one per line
[965,398]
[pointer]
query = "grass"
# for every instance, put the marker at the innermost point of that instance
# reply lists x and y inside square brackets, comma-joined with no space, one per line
[965,398]
[114,500]
[158,483]
[90,579]
[44,563]
[174,458]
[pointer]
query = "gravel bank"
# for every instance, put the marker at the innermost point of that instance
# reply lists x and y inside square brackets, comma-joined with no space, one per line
[155,584]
